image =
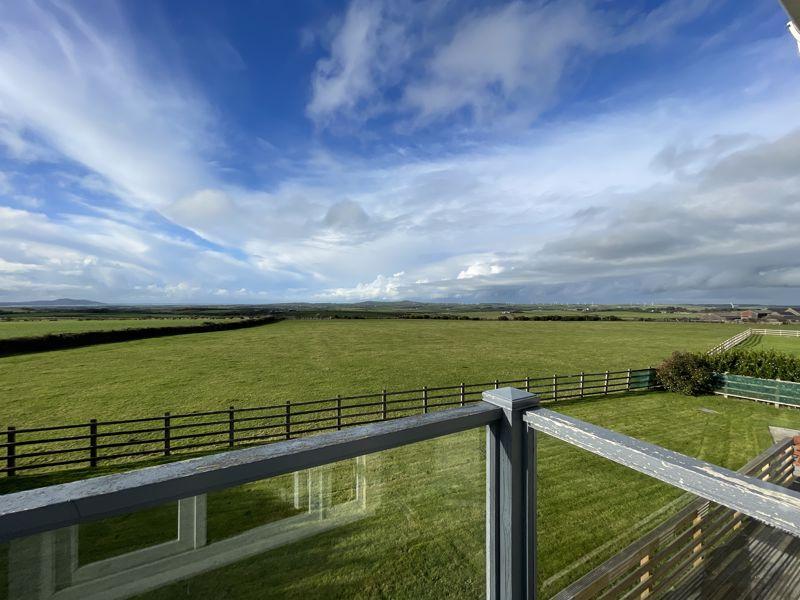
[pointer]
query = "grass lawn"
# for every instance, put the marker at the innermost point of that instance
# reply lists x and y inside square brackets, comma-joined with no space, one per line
[301,360]
[790,345]
[424,535]
[27,328]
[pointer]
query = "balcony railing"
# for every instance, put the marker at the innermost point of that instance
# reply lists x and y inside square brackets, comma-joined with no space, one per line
[38,522]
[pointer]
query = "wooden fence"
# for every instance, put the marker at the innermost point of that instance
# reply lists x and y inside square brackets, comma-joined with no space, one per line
[731,342]
[94,442]
[676,549]
[740,337]
[774,391]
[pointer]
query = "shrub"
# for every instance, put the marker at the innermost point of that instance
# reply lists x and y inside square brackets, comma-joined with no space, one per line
[766,364]
[688,373]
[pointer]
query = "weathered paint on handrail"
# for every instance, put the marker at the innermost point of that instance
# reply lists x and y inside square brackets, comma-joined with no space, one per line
[771,504]
[665,540]
[34,511]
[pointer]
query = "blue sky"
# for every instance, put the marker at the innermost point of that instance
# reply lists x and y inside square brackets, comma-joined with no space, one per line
[576,151]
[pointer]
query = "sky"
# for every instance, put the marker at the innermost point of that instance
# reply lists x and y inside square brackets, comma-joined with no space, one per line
[528,152]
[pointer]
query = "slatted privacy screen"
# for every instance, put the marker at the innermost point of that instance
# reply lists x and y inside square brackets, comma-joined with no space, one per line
[753,388]
[123,441]
[671,555]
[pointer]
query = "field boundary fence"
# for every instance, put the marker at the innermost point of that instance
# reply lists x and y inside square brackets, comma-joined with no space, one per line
[748,333]
[94,443]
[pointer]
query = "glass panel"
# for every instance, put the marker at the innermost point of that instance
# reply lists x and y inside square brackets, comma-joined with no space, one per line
[608,531]
[405,523]
[589,509]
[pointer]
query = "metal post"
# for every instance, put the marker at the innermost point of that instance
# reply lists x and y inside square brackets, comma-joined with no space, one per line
[425,399]
[555,387]
[231,427]
[338,412]
[628,383]
[510,498]
[383,403]
[93,442]
[527,383]
[288,419]
[11,451]
[582,378]
[167,449]
[605,384]
[463,394]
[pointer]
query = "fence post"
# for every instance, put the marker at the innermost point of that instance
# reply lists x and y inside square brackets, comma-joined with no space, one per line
[555,386]
[93,442]
[463,394]
[231,427]
[628,381]
[11,451]
[496,384]
[527,383]
[167,441]
[510,498]
[383,403]
[288,425]
[338,412]
[605,384]
[425,399]
[581,384]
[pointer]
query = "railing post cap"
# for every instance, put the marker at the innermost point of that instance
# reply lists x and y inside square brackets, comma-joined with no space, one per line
[510,398]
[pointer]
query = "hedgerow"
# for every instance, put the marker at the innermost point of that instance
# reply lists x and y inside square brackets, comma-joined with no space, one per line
[766,364]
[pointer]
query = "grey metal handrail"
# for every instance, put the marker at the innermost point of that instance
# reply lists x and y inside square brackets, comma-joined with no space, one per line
[39,510]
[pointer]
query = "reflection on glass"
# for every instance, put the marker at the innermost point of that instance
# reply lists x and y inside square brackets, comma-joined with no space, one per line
[403,523]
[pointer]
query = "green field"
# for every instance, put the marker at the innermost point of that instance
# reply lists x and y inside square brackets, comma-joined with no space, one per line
[790,345]
[301,360]
[424,535]
[14,328]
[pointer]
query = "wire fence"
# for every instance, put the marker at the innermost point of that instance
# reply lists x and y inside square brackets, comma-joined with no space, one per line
[94,442]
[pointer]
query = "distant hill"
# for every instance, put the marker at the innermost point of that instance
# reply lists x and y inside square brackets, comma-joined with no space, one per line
[57,302]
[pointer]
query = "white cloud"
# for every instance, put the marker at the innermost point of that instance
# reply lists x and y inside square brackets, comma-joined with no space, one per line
[381,288]
[480,269]
[363,54]
[76,85]
[503,61]
[497,67]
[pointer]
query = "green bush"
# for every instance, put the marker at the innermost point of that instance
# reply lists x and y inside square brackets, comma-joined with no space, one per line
[687,373]
[766,364]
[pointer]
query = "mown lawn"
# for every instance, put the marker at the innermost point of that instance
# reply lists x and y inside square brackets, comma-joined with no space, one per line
[790,345]
[301,360]
[424,536]
[34,327]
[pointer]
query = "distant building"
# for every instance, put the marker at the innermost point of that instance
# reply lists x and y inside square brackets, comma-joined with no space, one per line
[753,315]
[711,318]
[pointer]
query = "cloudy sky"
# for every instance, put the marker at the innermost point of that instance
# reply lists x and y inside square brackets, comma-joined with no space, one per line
[274,151]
